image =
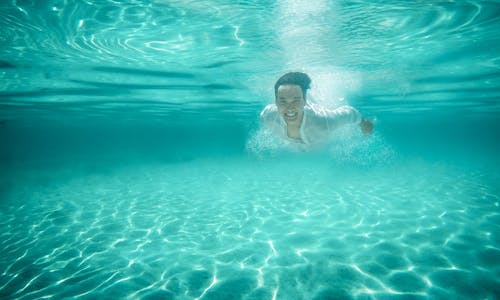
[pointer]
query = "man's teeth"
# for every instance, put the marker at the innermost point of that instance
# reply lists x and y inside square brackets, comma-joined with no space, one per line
[290,114]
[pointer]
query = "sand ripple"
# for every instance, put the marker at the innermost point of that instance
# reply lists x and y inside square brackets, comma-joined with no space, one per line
[212,229]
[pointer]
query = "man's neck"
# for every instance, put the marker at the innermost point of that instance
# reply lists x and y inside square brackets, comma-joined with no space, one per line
[293,131]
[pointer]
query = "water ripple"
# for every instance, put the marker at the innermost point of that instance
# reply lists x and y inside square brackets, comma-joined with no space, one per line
[137,32]
[367,30]
[367,47]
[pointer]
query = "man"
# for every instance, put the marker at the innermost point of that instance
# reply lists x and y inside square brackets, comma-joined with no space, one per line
[291,117]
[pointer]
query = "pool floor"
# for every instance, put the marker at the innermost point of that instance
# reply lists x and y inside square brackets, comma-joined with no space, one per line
[245,228]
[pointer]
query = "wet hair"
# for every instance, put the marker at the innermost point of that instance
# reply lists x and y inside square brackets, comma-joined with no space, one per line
[294,78]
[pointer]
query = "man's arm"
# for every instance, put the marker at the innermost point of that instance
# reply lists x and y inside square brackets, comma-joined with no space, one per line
[346,115]
[269,117]
[264,115]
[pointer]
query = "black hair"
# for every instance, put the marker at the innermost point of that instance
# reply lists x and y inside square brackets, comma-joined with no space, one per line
[294,78]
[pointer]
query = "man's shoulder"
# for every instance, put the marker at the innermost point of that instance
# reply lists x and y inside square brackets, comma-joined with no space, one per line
[270,107]
[341,115]
[269,110]
[316,110]
[328,112]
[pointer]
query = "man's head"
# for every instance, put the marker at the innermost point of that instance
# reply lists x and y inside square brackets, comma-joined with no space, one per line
[290,92]
[294,78]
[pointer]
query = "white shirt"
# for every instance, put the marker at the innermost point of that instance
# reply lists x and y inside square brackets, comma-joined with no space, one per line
[317,122]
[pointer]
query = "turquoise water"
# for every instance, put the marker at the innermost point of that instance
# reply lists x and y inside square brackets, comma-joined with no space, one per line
[133,165]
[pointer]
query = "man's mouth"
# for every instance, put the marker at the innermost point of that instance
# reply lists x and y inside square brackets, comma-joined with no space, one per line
[290,115]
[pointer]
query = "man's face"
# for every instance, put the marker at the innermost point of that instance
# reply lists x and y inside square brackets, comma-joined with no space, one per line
[290,103]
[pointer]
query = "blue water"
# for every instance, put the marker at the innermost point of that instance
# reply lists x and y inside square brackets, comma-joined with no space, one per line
[133,166]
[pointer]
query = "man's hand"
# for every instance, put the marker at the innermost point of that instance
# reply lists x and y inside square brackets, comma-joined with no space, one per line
[366,126]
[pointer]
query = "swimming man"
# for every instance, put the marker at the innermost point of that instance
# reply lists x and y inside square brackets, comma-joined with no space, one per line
[291,117]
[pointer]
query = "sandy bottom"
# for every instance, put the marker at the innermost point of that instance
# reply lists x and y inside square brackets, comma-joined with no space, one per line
[251,229]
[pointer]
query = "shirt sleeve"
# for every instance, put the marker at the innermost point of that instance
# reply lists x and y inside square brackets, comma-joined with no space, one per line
[343,115]
[268,114]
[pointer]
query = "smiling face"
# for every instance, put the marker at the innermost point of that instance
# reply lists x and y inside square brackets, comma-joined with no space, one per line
[290,102]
